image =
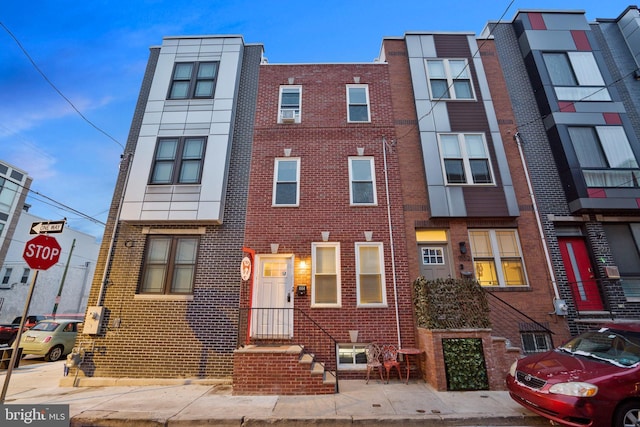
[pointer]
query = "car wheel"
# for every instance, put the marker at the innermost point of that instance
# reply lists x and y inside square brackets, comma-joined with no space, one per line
[627,415]
[54,354]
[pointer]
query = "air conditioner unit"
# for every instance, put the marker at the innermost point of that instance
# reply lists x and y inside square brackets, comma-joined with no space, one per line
[288,116]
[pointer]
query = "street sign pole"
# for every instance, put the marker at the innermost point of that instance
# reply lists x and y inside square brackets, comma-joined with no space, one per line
[16,342]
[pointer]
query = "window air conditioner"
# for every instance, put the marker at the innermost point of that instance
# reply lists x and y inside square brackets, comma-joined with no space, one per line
[288,116]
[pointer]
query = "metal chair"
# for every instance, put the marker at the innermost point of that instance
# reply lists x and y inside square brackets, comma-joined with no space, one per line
[373,353]
[390,359]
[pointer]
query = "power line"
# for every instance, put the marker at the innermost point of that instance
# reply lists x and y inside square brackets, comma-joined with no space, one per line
[60,205]
[55,88]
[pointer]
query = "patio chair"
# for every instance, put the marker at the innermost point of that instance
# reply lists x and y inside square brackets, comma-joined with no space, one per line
[373,353]
[390,359]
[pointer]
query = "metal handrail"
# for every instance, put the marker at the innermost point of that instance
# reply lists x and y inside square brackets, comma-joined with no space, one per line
[266,325]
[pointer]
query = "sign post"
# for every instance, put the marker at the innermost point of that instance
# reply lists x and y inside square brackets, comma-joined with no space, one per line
[41,253]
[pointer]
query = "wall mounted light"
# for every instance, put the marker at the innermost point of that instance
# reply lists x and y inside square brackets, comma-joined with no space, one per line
[463,247]
[368,235]
[274,248]
[287,152]
[325,236]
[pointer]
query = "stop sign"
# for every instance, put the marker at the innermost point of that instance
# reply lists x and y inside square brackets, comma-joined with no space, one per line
[41,252]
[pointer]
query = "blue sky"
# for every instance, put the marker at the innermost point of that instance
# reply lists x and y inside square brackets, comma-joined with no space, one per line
[95,52]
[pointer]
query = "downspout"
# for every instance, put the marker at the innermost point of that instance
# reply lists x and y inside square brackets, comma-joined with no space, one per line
[126,162]
[518,140]
[393,257]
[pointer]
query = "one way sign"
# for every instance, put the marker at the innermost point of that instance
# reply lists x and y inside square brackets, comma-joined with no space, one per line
[47,227]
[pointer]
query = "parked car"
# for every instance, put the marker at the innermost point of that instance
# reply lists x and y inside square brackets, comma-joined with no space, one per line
[592,380]
[51,338]
[8,331]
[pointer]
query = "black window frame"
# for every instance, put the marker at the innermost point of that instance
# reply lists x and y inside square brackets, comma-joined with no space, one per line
[178,161]
[193,80]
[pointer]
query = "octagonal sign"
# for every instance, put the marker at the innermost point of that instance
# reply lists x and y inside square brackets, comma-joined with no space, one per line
[42,252]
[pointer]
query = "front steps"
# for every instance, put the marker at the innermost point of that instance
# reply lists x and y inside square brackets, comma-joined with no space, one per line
[279,370]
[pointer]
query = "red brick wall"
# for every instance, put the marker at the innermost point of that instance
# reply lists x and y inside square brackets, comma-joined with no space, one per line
[324,141]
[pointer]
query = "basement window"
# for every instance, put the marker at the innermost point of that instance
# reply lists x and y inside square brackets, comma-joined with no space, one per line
[352,356]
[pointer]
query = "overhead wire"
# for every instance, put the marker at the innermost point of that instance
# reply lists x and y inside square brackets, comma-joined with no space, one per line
[44,76]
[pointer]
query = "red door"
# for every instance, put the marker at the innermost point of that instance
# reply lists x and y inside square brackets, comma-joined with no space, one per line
[584,287]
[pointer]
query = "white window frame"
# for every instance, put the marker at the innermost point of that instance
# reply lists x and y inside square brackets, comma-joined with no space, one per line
[381,266]
[352,180]
[435,252]
[314,273]
[276,168]
[450,79]
[297,111]
[497,257]
[466,158]
[349,103]
[355,348]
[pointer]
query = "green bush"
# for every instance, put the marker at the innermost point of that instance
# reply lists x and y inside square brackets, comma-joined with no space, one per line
[450,304]
[464,363]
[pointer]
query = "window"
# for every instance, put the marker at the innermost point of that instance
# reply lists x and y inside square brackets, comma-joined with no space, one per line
[576,76]
[465,158]
[358,103]
[169,265]
[325,275]
[535,342]
[497,258]
[605,156]
[286,182]
[362,178]
[449,79]
[432,256]
[193,80]
[8,192]
[626,256]
[370,283]
[7,275]
[290,103]
[25,275]
[178,160]
[352,356]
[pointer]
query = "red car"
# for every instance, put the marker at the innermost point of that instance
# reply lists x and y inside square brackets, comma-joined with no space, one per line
[593,380]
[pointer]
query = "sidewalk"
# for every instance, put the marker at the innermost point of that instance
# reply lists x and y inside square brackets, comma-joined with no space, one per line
[177,403]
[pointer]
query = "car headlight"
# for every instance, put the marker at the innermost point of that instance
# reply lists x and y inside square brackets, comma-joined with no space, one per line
[512,369]
[574,389]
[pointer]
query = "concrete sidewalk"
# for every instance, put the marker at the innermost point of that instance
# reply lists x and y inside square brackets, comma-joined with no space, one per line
[181,403]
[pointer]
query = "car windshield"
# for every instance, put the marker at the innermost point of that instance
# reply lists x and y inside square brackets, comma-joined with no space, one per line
[45,326]
[618,347]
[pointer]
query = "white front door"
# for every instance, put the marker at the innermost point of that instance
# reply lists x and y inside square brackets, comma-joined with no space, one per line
[272,305]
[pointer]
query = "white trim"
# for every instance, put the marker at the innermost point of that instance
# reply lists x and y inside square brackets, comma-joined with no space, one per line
[297,117]
[381,266]
[372,168]
[276,166]
[336,246]
[368,101]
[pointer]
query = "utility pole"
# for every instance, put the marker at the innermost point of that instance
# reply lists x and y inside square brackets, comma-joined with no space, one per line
[64,276]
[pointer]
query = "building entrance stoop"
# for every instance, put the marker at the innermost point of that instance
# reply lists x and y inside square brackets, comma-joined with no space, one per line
[279,370]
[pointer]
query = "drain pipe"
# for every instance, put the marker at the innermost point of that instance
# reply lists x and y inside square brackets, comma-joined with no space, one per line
[126,162]
[518,140]
[393,257]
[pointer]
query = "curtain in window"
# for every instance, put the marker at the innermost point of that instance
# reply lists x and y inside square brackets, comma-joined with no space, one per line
[325,280]
[616,146]
[370,276]
[156,265]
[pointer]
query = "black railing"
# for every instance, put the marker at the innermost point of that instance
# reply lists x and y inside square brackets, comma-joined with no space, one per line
[290,326]
[519,329]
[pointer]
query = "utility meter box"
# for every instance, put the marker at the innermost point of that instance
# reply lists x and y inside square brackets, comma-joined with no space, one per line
[93,320]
